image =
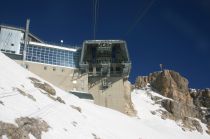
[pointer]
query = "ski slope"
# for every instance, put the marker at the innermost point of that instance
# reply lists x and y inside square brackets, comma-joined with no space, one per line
[90,121]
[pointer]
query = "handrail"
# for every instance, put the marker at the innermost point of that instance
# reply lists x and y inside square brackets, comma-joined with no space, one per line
[63,45]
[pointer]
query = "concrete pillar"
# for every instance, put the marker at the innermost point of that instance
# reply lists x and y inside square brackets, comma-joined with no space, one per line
[94,70]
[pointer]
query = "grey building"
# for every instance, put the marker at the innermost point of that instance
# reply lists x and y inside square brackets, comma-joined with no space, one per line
[100,67]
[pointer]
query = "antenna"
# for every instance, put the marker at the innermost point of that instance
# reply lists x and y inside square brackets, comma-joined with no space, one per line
[96,8]
[26,39]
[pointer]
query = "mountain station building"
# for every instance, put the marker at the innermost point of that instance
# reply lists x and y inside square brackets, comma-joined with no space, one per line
[100,67]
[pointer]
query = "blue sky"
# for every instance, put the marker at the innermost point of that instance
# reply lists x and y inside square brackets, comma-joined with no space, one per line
[174,33]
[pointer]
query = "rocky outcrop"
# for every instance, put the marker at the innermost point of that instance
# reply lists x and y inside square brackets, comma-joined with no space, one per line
[1,102]
[25,127]
[181,110]
[191,124]
[76,108]
[141,81]
[24,93]
[201,97]
[172,85]
[44,86]
[168,83]
[184,104]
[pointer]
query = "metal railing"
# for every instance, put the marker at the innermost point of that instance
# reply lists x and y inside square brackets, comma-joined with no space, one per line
[63,45]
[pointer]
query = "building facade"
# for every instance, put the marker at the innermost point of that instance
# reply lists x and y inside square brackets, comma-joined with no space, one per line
[55,63]
[100,67]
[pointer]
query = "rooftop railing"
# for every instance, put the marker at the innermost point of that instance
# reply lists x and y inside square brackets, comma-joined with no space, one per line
[63,45]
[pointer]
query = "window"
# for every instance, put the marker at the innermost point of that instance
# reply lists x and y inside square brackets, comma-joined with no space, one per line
[52,56]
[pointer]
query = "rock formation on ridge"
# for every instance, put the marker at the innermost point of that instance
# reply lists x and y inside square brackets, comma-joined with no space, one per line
[184,104]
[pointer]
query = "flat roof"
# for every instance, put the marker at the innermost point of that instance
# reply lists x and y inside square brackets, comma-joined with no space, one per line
[40,43]
[21,29]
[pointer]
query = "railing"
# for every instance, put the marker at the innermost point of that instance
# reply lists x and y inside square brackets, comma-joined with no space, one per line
[63,45]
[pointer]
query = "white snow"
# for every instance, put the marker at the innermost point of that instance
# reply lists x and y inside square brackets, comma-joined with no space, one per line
[93,121]
[170,129]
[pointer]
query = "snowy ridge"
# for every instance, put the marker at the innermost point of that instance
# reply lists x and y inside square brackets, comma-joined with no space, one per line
[76,118]
[144,106]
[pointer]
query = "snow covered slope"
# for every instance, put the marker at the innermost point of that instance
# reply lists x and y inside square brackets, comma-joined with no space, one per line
[168,128]
[70,117]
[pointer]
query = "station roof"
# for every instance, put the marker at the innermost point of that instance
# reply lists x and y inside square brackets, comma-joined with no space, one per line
[23,30]
[39,41]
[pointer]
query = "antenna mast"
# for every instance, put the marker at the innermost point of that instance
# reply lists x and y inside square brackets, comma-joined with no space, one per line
[26,39]
[95,10]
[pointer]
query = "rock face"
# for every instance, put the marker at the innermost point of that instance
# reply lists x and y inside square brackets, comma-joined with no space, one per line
[201,97]
[169,84]
[44,86]
[25,127]
[185,104]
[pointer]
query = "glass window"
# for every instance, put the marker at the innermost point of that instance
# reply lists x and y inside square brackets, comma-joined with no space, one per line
[52,56]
